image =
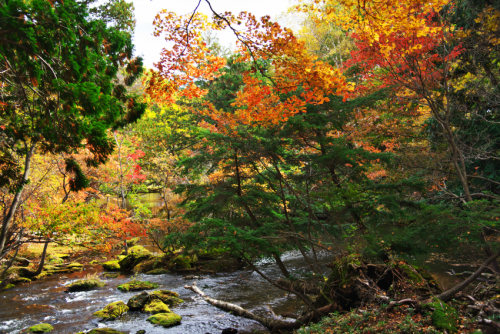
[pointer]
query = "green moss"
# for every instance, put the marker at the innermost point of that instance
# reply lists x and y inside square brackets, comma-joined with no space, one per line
[9,286]
[75,266]
[121,257]
[156,306]
[159,271]
[85,284]
[138,250]
[41,328]
[53,259]
[444,317]
[21,280]
[137,302]
[62,256]
[112,311]
[183,261]
[151,263]
[104,331]
[111,265]
[168,297]
[133,241]
[137,286]
[165,319]
[111,275]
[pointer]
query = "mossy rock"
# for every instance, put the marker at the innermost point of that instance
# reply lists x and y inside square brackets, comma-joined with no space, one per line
[165,319]
[22,261]
[111,275]
[20,271]
[137,286]
[419,277]
[183,261]
[170,298]
[8,286]
[21,280]
[43,274]
[112,265]
[138,250]
[137,254]
[85,285]
[120,257]
[156,306]
[112,311]
[75,266]
[104,331]
[94,262]
[62,255]
[149,264]
[41,328]
[138,302]
[444,317]
[159,271]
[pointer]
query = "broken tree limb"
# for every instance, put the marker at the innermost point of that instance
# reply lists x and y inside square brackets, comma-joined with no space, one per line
[401,302]
[274,324]
[448,294]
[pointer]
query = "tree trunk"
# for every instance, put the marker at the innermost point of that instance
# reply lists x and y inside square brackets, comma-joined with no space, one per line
[7,222]
[273,324]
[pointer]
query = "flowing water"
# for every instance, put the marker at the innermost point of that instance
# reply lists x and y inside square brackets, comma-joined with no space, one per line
[46,301]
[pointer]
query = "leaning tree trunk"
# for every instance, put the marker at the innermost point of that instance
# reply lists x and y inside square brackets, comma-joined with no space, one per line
[274,324]
[448,294]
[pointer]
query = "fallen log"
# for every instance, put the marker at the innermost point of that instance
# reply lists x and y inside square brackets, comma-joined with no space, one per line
[275,325]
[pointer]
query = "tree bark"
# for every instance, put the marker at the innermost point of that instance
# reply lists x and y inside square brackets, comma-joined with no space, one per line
[448,294]
[273,324]
[7,222]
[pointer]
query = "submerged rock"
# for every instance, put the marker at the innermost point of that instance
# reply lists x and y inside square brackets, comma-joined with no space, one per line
[112,265]
[41,328]
[104,331]
[137,286]
[165,319]
[111,275]
[156,306]
[85,284]
[168,297]
[112,311]
[137,302]
[159,271]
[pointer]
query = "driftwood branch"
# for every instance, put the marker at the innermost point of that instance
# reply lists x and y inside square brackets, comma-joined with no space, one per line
[274,324]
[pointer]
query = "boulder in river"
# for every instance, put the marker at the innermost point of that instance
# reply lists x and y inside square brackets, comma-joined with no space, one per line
[158,271]
[112,311]
[137,286]
[41,328]
[168,297]
[105,330]
[149,264]
[86,284]
[111,275]
[156,306]
[112,265]
[138,302]
[165,319]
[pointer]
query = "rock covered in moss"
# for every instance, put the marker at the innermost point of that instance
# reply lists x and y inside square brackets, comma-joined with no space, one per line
[137,286]
[112,265]
[136,255]
[156,306]
[41,328]
[22,261]
[151,263]
[53,259]
[111,275]
[138,302]
[105,330]
[165,319]
[159,271]
[444,317]
[168,297]
[75,266]
[183,261]
[112,311]
[21,280]
[8,286]
[133,242]
[85,284]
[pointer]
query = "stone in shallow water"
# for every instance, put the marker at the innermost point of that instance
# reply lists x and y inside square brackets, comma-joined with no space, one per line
[137,302]
[137,286]
[41,328]
[112,311]
[165,319]
[168,297]
[85,284]
[156,306]
[104,331]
